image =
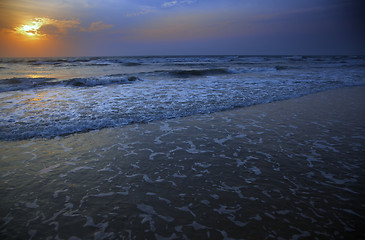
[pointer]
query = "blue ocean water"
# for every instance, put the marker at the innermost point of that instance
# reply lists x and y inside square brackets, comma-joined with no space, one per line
[48,97]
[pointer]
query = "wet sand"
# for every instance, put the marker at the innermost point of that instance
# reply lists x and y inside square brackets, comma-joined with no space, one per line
[285,170]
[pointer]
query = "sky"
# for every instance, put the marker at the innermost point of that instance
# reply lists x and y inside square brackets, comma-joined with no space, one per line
[50,28]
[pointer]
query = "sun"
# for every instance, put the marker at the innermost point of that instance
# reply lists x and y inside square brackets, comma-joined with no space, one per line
[31,29]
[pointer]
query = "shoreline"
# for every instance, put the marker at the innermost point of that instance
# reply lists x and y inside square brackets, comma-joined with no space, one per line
[291,168]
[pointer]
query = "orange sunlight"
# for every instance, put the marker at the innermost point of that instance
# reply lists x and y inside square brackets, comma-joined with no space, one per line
[38,37]
[30,30]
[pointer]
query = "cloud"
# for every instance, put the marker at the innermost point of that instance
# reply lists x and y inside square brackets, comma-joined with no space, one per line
[63,25]
[96,27]
[169,4]
[49,29]
[40,28]
[144,10]
[176,3]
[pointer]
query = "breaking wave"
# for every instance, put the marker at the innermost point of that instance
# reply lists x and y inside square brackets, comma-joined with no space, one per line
[89,93]
[15,84]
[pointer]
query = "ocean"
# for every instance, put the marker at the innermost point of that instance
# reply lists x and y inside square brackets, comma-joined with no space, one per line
[49,97]
[184,147]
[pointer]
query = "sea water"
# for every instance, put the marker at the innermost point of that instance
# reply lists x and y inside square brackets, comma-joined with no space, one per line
[48,97]
[74,166]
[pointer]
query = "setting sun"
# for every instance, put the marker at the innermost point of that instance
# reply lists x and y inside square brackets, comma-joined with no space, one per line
[32,29]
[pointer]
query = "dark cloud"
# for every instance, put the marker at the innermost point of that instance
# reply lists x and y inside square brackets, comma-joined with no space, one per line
[96,27]
[49,29]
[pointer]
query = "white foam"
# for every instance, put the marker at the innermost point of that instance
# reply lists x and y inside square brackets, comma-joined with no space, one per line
[325,146]
[270,215]
[193,148]
[103,194]
[164,199]
[49,169]
[257,217]
[215,196]
[203,165]
[186,209]
[197,226]
[126,191]
[32,204]
[222,140]
[55,194]
[80,168]
[236,222]
[283,212]
[225,187]
[204,201]
[135,165]
[179,175]
[152,155]
[255,170]
[178,228]
[227,210]
[331,177]
[106,169]
[151,211]
[7,219]
[146,208]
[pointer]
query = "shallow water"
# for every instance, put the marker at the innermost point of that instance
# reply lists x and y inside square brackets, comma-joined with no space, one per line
[288,170]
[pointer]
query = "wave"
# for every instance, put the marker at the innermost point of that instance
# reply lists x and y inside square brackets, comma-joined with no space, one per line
[99,64]
[178,89]
[131,64]
[188,73]
[198,72]
[112,112]
[92,82]
[16,84]
[86,62]
[46,62]
[283,67]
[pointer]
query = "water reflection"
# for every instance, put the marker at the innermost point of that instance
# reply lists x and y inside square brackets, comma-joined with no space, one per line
[38,99]
[37,75]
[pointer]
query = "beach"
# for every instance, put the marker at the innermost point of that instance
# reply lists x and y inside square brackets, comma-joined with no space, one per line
[291,169]
[182,119]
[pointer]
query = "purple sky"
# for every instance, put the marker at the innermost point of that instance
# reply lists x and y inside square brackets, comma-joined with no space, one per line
[181,27]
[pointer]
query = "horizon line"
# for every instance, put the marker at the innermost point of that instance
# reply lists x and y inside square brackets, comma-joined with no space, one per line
[190,55]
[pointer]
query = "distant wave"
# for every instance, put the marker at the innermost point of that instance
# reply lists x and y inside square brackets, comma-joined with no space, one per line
[131,64]
[198,72]
[95,61]
[15,84]
[92,82]
[187,73]
[47,62]
[281,67]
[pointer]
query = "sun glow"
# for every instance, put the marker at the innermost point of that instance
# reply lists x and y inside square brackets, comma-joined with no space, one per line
[31,29]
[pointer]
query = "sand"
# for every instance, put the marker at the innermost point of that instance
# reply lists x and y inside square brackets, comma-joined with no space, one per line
[288,169]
